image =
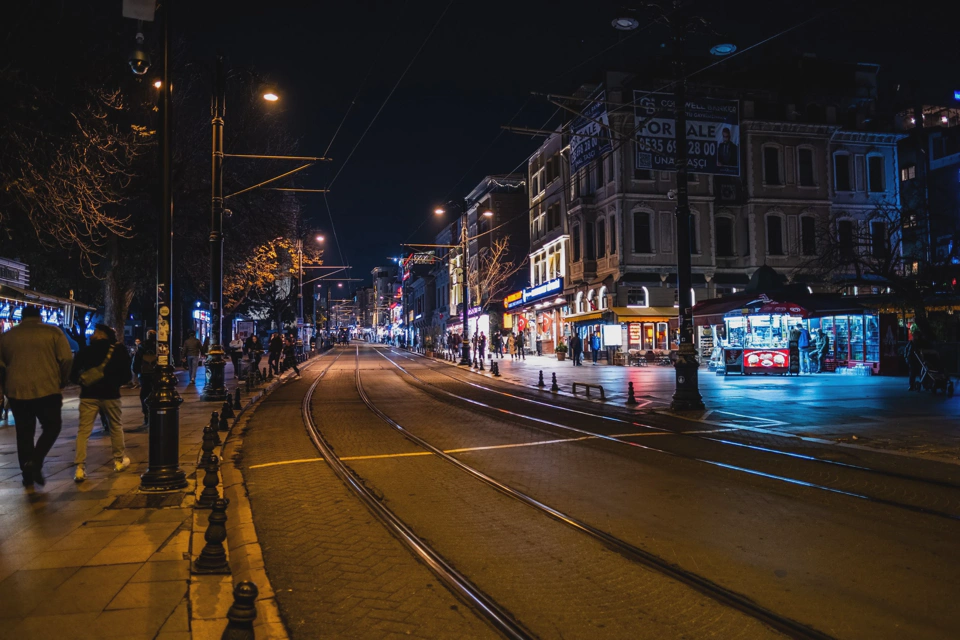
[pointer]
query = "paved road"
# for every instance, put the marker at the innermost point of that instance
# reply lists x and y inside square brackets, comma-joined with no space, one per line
[874,411]
[726,531]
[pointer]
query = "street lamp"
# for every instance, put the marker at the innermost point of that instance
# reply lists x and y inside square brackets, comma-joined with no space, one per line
[163,469]
[687,395]
[215,388]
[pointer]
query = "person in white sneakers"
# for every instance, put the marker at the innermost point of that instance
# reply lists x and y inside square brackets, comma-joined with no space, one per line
[100,370]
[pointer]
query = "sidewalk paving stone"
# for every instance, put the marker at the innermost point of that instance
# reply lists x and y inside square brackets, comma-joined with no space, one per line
[73,565]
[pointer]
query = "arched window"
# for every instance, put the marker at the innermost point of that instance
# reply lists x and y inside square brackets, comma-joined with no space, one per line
[842,171]
[772,164]
[580,302]
[603,297]
[638,297]
[642,232]
[775,234]
[876,173]
[806,167]
[724,226]
[591,300]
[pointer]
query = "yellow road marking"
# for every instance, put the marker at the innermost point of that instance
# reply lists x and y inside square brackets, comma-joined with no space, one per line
[277,464]
[388,455]
[464,449]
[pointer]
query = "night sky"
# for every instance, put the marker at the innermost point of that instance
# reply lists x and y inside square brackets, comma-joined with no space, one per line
[439,134]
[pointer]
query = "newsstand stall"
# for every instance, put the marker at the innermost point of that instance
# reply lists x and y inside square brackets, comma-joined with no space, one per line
[753,337]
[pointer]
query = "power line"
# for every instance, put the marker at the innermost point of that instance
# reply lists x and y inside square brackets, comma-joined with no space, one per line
[389,95]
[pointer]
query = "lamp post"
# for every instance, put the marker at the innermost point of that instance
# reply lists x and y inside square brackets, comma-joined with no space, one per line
[215,387]
[687,395]
[163,469]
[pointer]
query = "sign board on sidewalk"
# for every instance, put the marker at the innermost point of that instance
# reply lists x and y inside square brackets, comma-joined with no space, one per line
[713,134]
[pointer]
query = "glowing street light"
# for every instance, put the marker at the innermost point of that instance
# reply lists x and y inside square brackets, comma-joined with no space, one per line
[320,238]
[270,96]
[439,211]
[158,83]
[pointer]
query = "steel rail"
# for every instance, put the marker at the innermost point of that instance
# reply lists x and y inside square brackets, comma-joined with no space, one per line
[790,454]
[459,584]
[715,463]
[702,585]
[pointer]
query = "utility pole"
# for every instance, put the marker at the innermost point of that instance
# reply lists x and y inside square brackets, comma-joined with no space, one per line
[464,288]
[163,468]
[215,388]
[687,395]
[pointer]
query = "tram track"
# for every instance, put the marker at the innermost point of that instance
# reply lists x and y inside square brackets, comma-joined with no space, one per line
[712,462]
[702,585]
[455,581]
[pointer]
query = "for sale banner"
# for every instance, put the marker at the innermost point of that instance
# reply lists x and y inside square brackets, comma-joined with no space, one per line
[713,134]
[589,133]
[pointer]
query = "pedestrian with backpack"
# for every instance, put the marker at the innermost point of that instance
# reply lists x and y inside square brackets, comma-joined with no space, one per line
[100,369]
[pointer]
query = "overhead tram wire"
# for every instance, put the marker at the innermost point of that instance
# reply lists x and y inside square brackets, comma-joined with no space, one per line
[389,95]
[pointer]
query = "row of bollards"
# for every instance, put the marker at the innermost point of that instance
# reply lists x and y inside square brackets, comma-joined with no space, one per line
[213,556]
[554,387]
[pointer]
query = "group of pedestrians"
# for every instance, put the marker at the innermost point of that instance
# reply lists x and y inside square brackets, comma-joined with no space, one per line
[36,363]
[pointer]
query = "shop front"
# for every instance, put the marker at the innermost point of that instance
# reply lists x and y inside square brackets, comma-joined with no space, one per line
[759,336]
[537,314]
[53,309]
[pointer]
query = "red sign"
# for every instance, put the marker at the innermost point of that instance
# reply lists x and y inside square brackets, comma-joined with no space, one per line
[766,360]
[784,308]
[521,323]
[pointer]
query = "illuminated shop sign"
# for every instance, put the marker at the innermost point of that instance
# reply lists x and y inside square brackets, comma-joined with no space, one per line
[513,300]
[546,289]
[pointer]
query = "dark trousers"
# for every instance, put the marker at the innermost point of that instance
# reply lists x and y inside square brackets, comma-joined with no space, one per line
[146,388]
[596,355]
[274,362]
[27,413]
[577,357]
[235,358]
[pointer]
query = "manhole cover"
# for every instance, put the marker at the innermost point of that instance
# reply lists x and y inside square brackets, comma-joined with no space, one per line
[148,501]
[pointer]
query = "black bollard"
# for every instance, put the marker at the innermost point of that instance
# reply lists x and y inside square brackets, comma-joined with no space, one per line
[540,382]
[242,613]
[236,400]
[554,387]
[631,399]
[213,557]
[224,424]
[495,368]
[214,424]
[211,465]
[481,365]
[227,410]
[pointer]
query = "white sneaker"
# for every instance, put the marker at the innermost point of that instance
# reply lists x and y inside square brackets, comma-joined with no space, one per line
[80,474]
[120,465]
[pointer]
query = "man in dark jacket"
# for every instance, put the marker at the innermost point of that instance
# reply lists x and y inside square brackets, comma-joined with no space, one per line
[576,348]
[276,349]
[111,360]
[145,366]
[192,351]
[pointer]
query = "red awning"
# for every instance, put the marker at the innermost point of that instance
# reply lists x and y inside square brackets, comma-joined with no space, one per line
[711,312]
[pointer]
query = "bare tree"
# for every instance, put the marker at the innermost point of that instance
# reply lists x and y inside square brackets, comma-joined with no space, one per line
[494,273]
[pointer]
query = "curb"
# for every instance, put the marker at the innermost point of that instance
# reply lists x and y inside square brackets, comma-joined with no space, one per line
[210,596]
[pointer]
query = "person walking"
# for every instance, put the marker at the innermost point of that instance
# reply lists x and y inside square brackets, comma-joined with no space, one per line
[595,347]
[35,361]
[290,355]
[191,351]
[576,349]
[254,349]
[276,349]
[915,345]
[521,345]
[236,354]
[145,367]
[539,345]
[497,339]
[482,344]
[803,344]
[512,346]
[100,370]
